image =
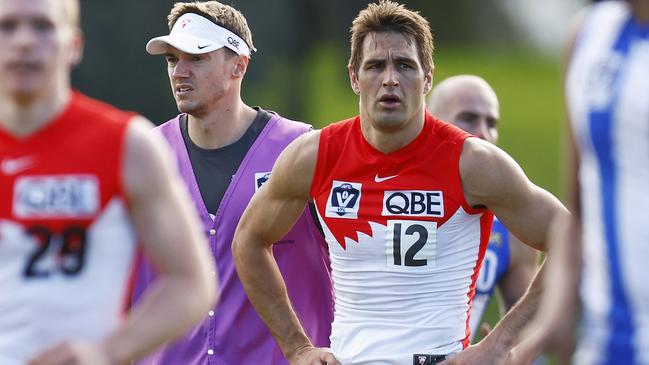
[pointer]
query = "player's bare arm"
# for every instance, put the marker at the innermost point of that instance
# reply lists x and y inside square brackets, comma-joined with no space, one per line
[524,263]
[491,178]
[271,213]
[554,322]
[173,242]
[171,238]
[185,290]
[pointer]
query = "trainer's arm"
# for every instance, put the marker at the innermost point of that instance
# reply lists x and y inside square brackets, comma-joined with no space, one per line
[492,179]
[270,215]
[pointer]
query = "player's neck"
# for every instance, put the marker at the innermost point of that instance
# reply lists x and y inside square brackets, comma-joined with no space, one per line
[391,140]
[24,118]
[221,126]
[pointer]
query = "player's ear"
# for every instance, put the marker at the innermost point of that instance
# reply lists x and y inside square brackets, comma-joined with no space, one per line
[76,47]
[240,66]
[353,79]
[428,80]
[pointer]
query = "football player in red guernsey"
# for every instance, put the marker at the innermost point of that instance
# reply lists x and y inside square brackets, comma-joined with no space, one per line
[406,203]
[83,186]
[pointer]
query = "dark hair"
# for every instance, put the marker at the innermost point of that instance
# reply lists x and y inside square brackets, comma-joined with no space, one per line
[220,14]
[389,16]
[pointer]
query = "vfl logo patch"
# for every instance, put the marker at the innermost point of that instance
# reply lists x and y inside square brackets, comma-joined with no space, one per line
[413,203]
[56,196]
[344,200]
[260,179]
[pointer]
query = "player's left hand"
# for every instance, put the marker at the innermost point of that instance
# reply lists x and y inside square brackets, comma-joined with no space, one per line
[72,353]
[485,329]
[519,356]
[478,354]
[540,337]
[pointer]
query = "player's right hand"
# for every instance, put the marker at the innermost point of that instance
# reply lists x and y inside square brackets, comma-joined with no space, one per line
[72,353]
[313,356]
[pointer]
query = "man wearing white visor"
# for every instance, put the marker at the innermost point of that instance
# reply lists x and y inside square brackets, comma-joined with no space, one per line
[225,150]
[195,34]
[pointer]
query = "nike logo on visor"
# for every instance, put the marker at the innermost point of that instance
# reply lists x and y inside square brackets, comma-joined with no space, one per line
[201,47]
[382,179]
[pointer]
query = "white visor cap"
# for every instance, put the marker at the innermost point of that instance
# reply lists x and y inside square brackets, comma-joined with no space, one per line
[195,34]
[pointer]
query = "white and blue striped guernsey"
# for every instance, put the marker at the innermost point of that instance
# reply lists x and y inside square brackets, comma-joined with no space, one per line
[607,90]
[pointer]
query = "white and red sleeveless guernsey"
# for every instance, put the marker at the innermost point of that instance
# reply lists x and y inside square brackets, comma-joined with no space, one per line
[66,243]
[405,245]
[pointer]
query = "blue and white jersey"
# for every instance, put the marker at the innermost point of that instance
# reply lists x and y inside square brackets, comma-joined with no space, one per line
[494,266]
[607,89]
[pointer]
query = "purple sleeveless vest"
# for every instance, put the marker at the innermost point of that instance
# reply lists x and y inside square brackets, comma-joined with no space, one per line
[233,333]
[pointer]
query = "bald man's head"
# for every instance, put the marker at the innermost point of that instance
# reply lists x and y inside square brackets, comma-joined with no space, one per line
[468,102]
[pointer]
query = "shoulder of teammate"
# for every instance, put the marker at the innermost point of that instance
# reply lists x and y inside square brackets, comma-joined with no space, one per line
[295,167]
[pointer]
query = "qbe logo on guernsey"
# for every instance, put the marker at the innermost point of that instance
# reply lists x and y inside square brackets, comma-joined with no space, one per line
[413,203]
[56,196]
[344,200]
